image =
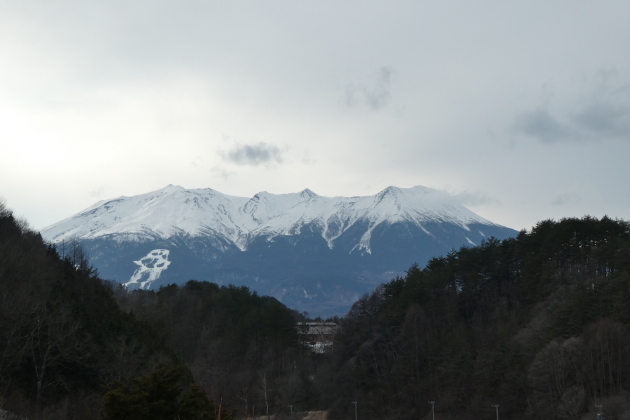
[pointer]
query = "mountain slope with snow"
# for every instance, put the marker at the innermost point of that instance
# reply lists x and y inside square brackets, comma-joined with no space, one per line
[298,240]
[173,211]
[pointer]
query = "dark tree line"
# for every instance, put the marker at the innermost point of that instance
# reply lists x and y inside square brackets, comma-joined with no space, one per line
[537,324]
[242,348]
[63,338]
[75,347]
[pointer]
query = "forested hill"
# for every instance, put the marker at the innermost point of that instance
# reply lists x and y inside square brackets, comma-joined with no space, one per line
[537,324]
[63,339]
[75,347]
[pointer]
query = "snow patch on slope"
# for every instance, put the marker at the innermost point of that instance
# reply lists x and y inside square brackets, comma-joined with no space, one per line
[151,267]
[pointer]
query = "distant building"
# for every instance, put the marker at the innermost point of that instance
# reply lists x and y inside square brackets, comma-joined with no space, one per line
[319,336]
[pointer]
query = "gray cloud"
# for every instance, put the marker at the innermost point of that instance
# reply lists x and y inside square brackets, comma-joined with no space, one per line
[474,198]
[604,119]
[98,192]
[464,198]
[221,173]
[565,198]
[253,154]
[542,125]
[375,93]
[602,115]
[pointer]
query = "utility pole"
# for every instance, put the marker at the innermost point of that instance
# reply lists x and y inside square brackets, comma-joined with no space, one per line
[600,415]
[291,408]
[432,408]
[355,409]
[497,408]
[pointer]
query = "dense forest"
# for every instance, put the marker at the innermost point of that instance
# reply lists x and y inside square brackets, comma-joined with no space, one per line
[75,347]
[538,325]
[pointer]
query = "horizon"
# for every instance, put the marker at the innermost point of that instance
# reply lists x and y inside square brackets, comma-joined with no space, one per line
[445,194]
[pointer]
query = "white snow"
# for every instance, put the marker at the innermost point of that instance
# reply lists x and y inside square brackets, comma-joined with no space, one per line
[150,269]
[174,210]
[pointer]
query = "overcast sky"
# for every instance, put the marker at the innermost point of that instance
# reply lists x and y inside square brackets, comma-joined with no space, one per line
[521,109]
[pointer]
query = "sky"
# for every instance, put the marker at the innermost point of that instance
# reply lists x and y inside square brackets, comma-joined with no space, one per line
[520,110]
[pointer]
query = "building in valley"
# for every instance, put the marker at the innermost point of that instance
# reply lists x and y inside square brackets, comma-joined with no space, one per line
[319,336]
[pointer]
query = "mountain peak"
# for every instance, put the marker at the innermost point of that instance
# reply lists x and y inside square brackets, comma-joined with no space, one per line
[172,188]
[390,190]
[306,193]
[390,193]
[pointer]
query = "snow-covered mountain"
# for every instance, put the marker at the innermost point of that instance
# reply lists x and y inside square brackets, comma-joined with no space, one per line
[173,211]
[272,243]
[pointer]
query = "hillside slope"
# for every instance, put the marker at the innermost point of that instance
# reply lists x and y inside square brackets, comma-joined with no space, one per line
[538,324]
[63,338]
[73,347]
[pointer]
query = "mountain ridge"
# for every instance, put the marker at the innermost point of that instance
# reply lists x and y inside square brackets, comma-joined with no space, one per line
[240,218]
[305,249]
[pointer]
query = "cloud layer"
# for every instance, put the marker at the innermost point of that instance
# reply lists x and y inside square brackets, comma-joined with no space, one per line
[375,93]
[602,115]
[253,154]
[526,101]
